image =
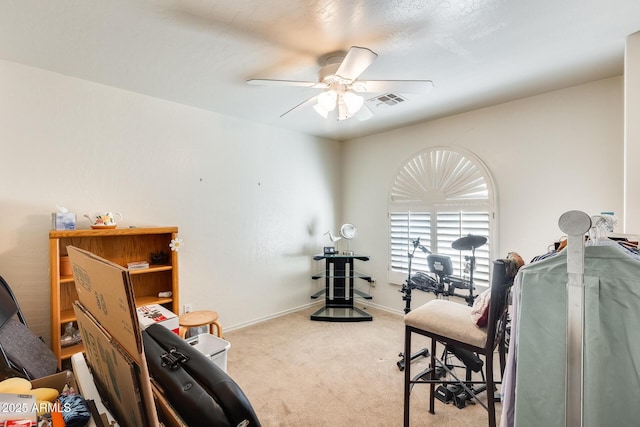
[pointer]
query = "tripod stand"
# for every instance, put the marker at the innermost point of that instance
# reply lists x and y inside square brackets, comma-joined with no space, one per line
[406,290]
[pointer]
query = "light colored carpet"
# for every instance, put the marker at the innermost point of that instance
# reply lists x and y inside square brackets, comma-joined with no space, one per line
[299,372]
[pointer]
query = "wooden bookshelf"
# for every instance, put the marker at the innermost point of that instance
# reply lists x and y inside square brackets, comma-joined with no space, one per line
[119,246]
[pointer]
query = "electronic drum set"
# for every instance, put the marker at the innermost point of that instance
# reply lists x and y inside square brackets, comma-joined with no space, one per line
[444,284]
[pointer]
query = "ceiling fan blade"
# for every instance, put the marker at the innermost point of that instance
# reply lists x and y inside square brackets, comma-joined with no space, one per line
[271,82]
[355,62]
[419,87]
[302,104]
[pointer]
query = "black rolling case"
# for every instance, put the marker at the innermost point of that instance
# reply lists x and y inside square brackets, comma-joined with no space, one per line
[199,391]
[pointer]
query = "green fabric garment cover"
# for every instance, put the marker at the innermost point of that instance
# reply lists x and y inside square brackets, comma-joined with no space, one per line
[611,340]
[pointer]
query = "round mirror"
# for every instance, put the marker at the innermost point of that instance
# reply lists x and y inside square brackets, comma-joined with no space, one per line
[348,231]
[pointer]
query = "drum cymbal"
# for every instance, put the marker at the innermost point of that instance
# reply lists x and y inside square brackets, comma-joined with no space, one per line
[468,242]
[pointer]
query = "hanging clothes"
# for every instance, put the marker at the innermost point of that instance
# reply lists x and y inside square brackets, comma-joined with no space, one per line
[535,379]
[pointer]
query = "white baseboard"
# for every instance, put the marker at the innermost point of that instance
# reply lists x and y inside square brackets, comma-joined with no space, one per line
[272,316]
[383,308]
[306,306]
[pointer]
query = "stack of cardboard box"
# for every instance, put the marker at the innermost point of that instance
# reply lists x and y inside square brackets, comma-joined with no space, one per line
[111,333]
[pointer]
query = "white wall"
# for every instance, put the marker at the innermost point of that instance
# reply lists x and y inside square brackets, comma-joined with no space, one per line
[548,154]
[251,202]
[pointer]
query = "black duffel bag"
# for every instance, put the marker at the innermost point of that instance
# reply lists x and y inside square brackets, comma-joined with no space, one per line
[200,392]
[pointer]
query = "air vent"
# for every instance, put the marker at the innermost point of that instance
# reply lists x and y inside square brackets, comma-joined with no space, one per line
[385,101]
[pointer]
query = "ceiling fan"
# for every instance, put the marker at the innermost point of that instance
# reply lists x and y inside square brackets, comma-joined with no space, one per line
[338,79]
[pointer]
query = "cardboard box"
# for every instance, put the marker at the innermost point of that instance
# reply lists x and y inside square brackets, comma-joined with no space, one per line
[155,313]
[111,334]
[114,372]
[58,381]
[104,290]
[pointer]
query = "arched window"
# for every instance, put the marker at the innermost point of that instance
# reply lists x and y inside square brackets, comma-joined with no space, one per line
[439,196]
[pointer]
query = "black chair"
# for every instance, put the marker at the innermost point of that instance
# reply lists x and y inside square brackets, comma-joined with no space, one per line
[23,353]
[453,325]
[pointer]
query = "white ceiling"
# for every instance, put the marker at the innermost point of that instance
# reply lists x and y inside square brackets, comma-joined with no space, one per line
[201,52]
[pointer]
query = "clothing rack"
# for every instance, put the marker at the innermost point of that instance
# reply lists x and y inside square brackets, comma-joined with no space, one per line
[575,224]
[574,347]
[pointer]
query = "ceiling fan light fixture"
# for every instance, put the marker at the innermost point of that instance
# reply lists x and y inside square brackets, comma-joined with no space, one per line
[321,110]
[327,100]
[353,102]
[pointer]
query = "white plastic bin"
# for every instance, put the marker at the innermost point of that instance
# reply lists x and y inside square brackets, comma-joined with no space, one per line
[213,347]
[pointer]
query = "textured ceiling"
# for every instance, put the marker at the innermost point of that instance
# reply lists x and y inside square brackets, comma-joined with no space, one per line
[201,52]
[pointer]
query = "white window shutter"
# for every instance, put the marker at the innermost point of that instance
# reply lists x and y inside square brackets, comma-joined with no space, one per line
[440,196]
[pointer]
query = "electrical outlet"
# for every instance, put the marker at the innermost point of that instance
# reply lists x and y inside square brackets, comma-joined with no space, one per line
[187,308]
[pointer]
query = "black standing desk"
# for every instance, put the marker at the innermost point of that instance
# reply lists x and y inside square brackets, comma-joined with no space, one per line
[339,275]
